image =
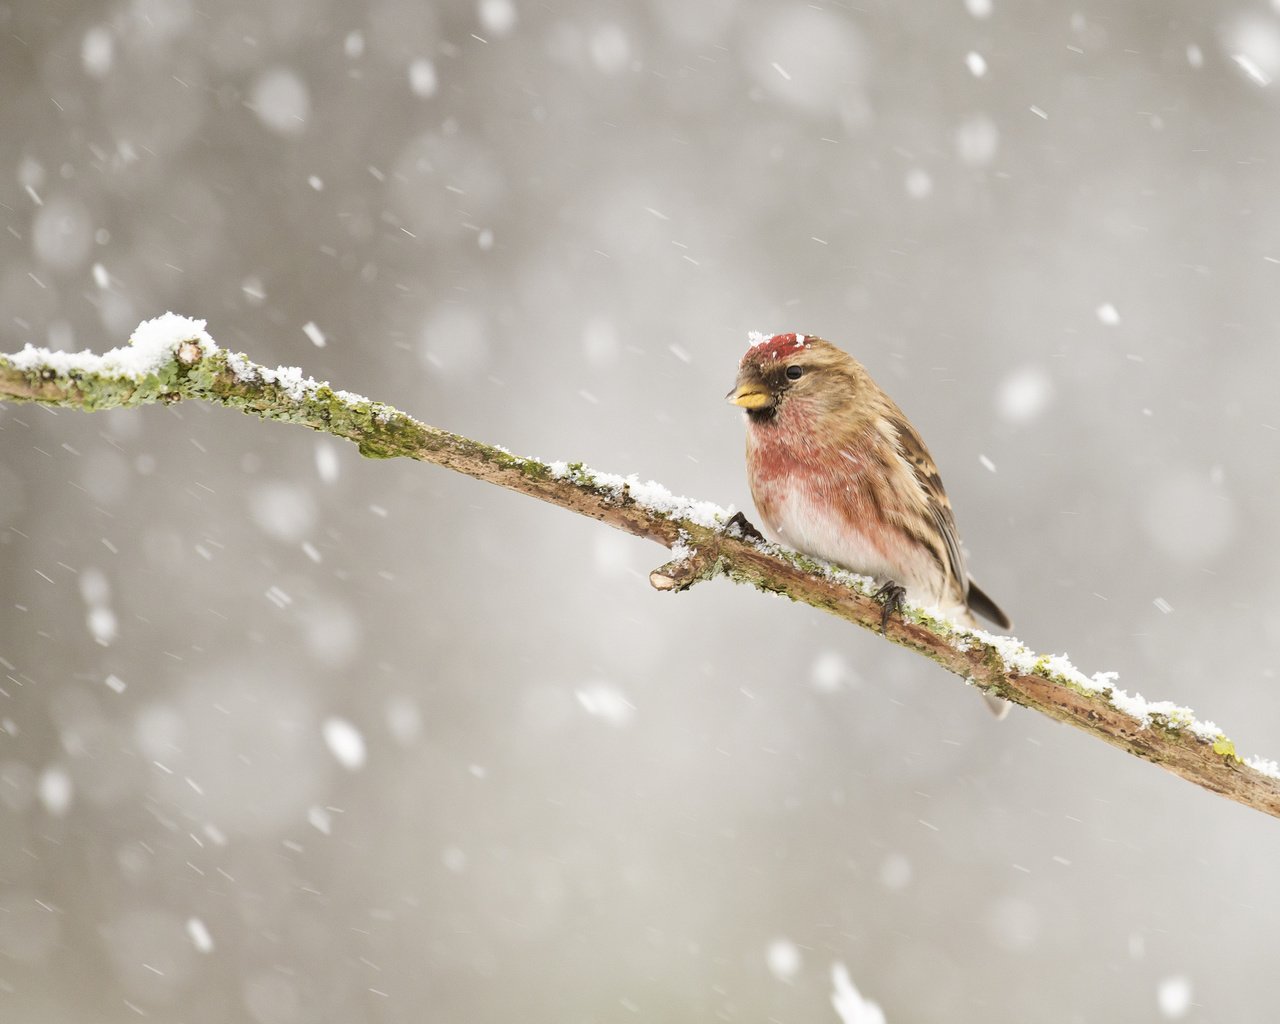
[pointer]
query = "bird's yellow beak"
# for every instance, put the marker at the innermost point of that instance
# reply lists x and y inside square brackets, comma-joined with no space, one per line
[750,395]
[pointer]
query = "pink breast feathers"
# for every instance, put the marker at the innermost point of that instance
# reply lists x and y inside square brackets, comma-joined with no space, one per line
[818,500]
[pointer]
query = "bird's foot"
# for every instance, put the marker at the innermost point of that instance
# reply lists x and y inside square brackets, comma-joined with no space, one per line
[744,527]
[892,596]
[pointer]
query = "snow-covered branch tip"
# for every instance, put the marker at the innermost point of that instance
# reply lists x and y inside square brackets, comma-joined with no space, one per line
[173,358]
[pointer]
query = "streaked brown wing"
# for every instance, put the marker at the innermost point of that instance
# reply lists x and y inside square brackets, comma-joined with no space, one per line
[926,474]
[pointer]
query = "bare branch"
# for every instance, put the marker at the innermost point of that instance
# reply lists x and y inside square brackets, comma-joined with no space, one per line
[172,359]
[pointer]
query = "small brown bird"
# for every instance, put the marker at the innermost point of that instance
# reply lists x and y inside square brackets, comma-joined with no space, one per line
[838,471]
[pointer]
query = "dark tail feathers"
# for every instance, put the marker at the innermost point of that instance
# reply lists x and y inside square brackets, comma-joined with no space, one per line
[987,608]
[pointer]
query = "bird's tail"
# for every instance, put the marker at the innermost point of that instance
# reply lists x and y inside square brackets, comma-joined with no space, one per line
[987,608]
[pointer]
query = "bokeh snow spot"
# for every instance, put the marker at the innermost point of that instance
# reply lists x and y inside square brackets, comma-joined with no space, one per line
[918,183]
[600,343]
[822,53]
[612,555]
[423,80]
[98,51]
[454,858]
[830,672]
[783,958]
[314,334]
[610,49]
[281,100]
[332,631]
[96,592]
[606,702]
[1024,394]
[895,872]
[282,510]
[199,935]
[344,742]
[1173,996]
[497,17]
[327,466]
[56,790]
[404,720]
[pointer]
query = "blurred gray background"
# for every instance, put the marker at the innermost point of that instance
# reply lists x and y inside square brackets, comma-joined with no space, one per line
[291,736]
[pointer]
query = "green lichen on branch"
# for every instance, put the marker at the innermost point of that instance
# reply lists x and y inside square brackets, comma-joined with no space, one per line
[85,389]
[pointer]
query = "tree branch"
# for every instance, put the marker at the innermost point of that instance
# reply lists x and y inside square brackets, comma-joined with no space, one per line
[172,359]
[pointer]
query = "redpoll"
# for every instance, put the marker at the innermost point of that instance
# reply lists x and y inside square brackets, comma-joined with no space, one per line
[838,471]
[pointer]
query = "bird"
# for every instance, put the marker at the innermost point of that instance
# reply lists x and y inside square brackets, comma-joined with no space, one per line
[838,471]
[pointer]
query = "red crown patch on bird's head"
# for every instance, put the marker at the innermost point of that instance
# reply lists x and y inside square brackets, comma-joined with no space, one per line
[765,348]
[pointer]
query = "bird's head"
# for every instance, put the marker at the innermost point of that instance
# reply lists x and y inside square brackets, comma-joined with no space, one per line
[788,367]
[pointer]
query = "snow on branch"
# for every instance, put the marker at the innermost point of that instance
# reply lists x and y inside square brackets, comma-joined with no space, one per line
[173,359]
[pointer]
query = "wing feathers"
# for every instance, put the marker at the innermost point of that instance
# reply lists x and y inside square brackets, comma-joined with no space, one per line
[925,472]
[937,508]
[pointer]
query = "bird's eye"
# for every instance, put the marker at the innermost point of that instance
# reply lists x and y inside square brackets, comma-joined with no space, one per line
[794,372]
